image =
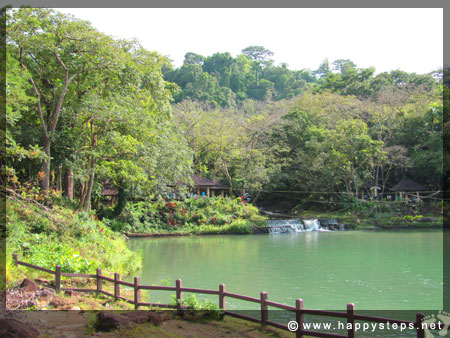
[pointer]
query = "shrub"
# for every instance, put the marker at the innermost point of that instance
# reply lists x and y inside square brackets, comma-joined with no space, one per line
[169,216]
[59,236]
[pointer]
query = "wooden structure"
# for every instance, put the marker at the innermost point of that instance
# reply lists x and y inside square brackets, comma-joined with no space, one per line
[109,193]
[206,187]
[407,187]
[370,190]
[350,316]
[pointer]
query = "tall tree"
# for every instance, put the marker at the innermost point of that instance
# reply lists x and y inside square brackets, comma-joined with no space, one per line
[261,58]
[54,50]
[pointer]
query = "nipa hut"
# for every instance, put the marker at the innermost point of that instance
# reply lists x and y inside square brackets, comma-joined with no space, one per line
[407,187]
[205,187]
[109,193]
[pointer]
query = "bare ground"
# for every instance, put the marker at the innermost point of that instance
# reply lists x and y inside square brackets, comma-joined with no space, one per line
[79,324]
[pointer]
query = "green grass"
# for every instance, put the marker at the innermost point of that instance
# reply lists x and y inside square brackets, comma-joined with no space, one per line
[59,236]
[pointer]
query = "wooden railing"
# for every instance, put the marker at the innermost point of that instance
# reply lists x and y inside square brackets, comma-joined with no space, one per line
[298,309]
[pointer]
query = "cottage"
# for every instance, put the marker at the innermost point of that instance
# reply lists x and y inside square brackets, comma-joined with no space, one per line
[109,193]
[407,187]
[203,186]
[206,187]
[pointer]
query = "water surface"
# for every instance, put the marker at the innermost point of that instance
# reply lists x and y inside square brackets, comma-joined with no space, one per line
[382,270]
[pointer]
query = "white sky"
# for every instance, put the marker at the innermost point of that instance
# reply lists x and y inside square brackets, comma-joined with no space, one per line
[410,39]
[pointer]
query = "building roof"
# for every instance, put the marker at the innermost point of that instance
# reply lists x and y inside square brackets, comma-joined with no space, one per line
[407,184]
[109,189]
[202,182]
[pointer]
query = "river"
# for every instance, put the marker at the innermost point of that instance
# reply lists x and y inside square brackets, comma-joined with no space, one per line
[376,270]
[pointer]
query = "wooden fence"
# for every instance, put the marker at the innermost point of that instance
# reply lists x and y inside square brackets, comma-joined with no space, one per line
[350,316]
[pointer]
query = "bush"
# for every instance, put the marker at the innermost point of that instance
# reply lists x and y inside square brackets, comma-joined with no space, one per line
[59,236]
[187,215]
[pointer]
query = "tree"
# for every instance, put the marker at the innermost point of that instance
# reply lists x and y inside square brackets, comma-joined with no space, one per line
[193,59]
[350,154]
[102,105]
[18,103]
[343,65]
[220,66]
[54,50]
[323,70]
[260,57]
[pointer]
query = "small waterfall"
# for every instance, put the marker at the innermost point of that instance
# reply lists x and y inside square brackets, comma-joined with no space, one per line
[277,226]
[285,225]
[312,225]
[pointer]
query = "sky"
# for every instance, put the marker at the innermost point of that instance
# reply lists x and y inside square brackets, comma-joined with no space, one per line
[410,39]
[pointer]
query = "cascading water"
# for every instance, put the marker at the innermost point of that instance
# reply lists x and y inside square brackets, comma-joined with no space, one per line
[312,225]
[298,225]
[286,225]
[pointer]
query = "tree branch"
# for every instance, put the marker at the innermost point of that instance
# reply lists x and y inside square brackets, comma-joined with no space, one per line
[38,96]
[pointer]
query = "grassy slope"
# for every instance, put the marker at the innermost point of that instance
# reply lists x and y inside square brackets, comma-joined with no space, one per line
[76,241]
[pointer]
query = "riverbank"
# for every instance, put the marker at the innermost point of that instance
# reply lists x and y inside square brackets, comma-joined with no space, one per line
[49,236]
[346,223]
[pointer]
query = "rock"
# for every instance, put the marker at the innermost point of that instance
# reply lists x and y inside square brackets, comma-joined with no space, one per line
[142,317]
[110,321]
[42,281]
[75,308]
[11,328]
[45,298]
[68,293]
[48,290]
[29,285]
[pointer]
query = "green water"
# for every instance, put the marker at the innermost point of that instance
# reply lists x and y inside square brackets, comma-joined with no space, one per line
[385,270]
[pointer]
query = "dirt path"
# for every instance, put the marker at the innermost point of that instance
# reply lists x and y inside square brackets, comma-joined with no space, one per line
[79,324]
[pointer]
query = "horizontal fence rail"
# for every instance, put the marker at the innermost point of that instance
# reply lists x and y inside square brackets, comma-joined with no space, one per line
[298,309]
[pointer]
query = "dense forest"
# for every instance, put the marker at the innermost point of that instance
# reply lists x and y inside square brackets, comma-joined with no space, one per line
[83,108]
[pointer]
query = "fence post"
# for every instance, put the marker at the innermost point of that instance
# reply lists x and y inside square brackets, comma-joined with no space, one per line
[264,309]
[222,297]
[99,280]
[137,293]
[116,285]
[419,328]
[58,278]
[299,317]
[15,259]
[179,294]
[351,331]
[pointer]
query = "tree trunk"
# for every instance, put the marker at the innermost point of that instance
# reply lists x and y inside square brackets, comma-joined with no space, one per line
[82,196]
[45,182]
[87,200]
[59,180]
[69,184]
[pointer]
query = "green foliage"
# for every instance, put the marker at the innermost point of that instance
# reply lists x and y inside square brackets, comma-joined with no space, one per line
[193,303]
[100,108]
[77,242]
[82,100]
[196,215]
[408,217]
[49,255]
